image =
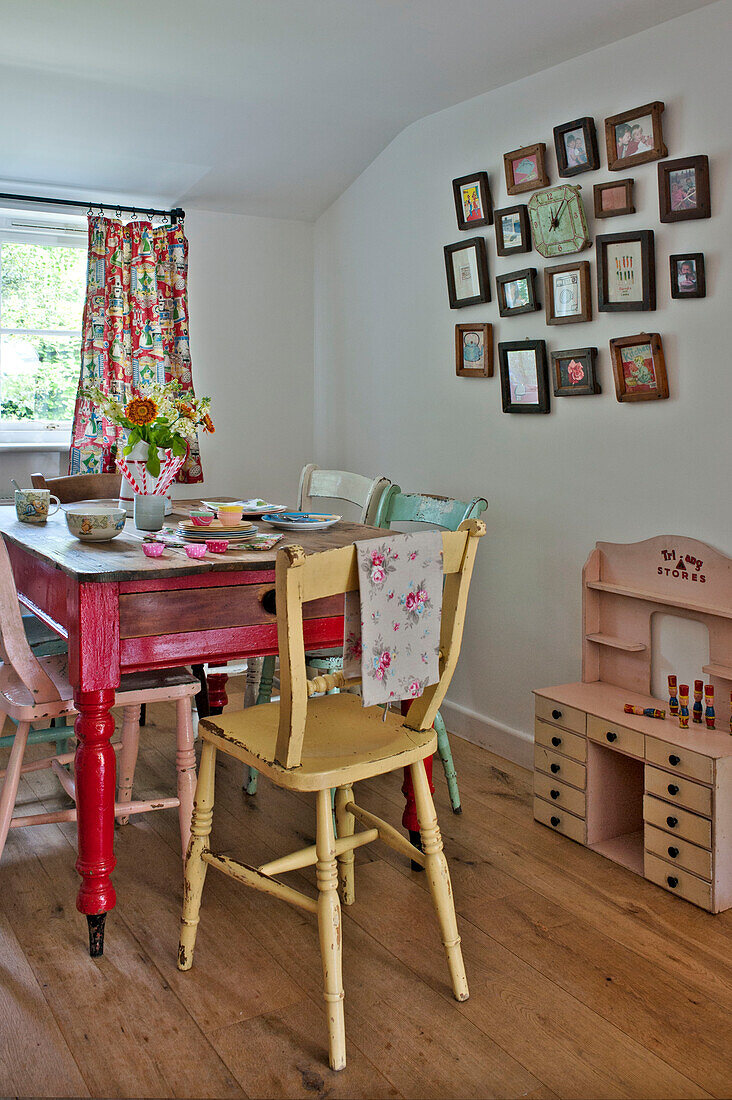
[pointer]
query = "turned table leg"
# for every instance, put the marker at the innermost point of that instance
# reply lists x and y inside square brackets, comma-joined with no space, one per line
[217,697]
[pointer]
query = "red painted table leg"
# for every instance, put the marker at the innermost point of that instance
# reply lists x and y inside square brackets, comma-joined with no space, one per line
[217,697]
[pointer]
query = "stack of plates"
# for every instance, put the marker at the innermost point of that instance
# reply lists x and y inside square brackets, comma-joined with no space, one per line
[216,530]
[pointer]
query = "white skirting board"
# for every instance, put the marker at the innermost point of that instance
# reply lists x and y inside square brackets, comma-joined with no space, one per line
[515,745]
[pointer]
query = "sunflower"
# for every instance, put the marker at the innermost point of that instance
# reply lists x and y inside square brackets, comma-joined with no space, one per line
[208,425]
[141,411]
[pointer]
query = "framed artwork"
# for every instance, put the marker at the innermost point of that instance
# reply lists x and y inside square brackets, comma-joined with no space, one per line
[516,292]
[573,372]
[474,351]
[626,271]
[567,297]
[639,367]
[683,189]
[473,204]
[513,233]
[688,279]
[614,198]
[635,137]
[525,169]
[576,147]
[467,273]
[524,384]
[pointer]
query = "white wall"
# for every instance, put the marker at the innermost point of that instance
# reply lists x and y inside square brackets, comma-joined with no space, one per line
[387,399]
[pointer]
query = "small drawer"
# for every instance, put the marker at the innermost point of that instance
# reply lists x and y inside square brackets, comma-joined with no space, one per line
[678,822]
[682,761]
[554,764]
[559,794]
[569,744]
[560,821]
[676,881]
[680,791]
[679,852]
[568,717]
[614,736]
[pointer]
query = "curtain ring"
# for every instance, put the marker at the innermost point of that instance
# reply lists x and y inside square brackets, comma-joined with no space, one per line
[90,212]
[101,211]
[118,213]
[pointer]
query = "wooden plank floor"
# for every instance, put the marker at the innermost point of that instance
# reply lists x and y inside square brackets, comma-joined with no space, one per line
[585,980]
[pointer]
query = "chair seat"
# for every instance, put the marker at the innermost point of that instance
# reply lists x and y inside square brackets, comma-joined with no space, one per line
[343,742]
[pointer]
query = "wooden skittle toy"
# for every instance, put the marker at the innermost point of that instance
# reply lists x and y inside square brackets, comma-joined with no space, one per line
[684,705]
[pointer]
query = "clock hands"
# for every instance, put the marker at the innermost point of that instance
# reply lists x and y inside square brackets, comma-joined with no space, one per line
[554,224]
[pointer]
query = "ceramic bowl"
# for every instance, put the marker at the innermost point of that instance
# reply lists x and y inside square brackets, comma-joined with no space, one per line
[196,551]
[201,518]
[152,549]
[217,546]
[95,524]
[230,515]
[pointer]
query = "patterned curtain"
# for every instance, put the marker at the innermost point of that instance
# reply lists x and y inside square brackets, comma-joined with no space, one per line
[135,331]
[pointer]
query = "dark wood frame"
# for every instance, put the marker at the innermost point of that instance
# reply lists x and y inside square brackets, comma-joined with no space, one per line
[527,151]
[588,357]
[619,164]
[474,372]
[484,294]
[701,279]
[587,126]
[659,366]
[539,348]
[583,267]
[484,190]
[645,238]
[597,190]
[529,275]
[523,215]
[703,208]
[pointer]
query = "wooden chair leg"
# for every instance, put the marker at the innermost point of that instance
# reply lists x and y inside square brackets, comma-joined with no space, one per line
[195,868]
[9,791]
[185,765]
[264,695]
[127,758]
[438,877]
[345,826]
[329,929]
[445,753]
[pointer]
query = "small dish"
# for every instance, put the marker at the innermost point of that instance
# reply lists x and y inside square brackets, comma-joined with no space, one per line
[196,551]
[153,549]
[201,517]
[216,546]
[301,521]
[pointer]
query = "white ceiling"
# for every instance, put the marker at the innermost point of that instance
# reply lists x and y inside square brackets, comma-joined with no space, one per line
[268,107]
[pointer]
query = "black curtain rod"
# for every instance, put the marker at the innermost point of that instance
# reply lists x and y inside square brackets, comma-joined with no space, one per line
[175,215]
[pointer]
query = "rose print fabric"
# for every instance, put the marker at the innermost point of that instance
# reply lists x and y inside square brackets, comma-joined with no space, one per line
[392,625]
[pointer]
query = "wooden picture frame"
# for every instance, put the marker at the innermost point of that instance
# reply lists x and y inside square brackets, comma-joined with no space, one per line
[574,372]
[524,383]
[639,367]
[467,273]
[630,131]
[483,340]
[613,198]
[688,278]
[683,189]
[473,203]
[575,144]
[626,271]
[516,292]
[567,293]
[513,230]
[525,169]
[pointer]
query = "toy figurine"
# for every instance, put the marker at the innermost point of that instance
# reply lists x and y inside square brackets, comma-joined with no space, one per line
[649,712]
[673,702]
[684,706]
[697,712]
[709,706]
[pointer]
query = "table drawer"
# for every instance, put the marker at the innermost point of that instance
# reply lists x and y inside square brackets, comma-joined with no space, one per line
[615,736]
[677,822]
[676,881]
[554,764]
[679,852]
[568,717]
[680,791]
[560,821]
[546,786]
[567,743]
[683,761]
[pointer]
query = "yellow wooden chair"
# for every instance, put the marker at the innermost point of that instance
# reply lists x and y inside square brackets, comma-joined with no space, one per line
[332,742]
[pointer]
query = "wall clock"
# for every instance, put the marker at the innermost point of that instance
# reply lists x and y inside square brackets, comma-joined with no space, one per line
[558,221]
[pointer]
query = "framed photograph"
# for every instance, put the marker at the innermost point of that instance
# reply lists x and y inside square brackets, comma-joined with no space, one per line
[626,271]
[524,384]
[474,351]
[639,367]
[525,169]
[573,372]
[567,297]
[635,137]
[683,189]
[516,292]
[467,273]
[473,204]
[687,275]
[614,198]
[513,232]
[576,147]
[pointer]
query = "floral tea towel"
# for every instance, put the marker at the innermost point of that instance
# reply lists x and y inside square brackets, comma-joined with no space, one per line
[392,626]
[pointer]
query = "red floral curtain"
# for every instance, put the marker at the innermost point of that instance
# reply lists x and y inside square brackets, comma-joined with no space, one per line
[135,331]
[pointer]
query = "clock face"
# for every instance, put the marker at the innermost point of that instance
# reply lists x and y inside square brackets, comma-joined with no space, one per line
[558,221]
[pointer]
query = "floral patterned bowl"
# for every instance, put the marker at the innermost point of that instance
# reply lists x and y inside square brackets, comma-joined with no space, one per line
[95,524]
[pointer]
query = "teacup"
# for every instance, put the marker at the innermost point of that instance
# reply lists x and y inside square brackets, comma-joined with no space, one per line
[32,505]
[230,514]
